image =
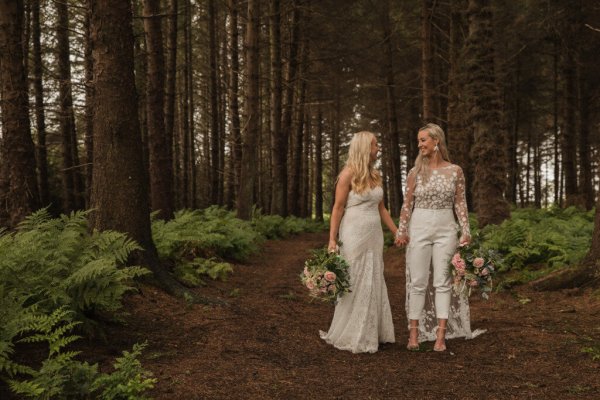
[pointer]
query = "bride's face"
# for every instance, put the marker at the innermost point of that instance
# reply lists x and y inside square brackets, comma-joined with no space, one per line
[426,144]
[374,150]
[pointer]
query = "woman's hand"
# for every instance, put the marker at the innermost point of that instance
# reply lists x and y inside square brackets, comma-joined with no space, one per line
[465,240]
[401,240]
[332,246]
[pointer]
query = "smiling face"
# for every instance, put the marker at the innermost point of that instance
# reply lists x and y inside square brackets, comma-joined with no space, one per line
[374,149]
[426,144]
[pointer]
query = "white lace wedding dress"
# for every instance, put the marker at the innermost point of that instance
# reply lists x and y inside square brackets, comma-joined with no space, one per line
[362,318]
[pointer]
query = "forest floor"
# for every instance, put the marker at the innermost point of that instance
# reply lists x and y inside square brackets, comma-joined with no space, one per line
[265,345]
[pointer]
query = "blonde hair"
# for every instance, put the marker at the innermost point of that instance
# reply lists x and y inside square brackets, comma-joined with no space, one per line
[422,163]
[364,175]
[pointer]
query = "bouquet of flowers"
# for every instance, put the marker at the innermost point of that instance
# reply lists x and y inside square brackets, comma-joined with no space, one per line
[326,276]
[473,269]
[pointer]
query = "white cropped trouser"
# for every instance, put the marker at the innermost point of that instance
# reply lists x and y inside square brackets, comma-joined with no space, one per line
[433,241]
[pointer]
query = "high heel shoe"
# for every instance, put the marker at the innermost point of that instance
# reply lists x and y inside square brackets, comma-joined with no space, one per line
[412,347]
[442,347]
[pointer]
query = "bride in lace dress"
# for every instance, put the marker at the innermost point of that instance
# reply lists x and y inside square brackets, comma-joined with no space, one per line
[435,192]
[362,318]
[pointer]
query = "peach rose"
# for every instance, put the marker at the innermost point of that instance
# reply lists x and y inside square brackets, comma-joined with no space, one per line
[306,273]
[458,262]
[474,283]
[310,285]
[330,276]
[485,272]
[478,262]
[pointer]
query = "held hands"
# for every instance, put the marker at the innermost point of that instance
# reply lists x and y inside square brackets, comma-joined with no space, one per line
[464,240]
[401,240]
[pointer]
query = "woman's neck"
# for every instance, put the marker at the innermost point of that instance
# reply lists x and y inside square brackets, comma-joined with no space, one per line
[436,161]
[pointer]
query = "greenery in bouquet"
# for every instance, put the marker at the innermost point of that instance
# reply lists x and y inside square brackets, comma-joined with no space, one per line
[473,268]
[326,276]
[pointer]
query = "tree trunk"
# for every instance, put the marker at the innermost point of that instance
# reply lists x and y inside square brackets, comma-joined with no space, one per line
[160,164]
[460,139]
[18,148]
[89,108]
[585,162]
[319,164]
[190,134]
[488,152]
[249,161]
[279,136]
[294,194]
[120,182]
[40,118]
[234,70]
[214,103]
[170,85]
[305,211]
[427,60]
[393,133]
[71,177]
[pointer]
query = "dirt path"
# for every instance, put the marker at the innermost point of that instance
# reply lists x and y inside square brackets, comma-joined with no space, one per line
[265,344]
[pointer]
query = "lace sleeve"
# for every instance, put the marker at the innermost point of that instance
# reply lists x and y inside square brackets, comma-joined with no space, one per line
[460,204]
[407,205]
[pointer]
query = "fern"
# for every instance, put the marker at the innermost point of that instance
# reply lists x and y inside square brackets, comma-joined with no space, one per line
[192,272]
[553,237]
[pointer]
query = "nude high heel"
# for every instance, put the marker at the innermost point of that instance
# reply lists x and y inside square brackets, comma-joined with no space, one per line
[442,347]
[412,347]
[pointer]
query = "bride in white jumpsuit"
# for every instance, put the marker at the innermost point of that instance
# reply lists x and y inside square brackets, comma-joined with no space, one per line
[434,201]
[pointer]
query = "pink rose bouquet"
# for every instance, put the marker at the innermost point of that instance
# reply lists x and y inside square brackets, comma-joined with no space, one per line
[326,276]
[473,268]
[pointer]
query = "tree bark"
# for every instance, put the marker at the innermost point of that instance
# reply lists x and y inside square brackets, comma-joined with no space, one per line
[234,70]
[170,85]
[215,176]
[489,150]
[160,163]
[319,164]
[18,148]
[40,118]
[71,176]
[120,183]
[279,136]
[427,60]
[460,139]
[294,194]
[248,166]
[393,132]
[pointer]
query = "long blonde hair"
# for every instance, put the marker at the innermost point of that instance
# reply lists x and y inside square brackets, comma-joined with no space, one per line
[422,163]
[364,175]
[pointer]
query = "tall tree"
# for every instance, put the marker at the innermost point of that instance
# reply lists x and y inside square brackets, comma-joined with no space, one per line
[160,162]
[40,117]
[215,175]
[489,149]
[234,70]
[279,137]
[392,132]
[427,78]
[171,84]
[89,107]
[460,139]
[71,176]
[120,183]
[319,163]
[17,146]
[245,198]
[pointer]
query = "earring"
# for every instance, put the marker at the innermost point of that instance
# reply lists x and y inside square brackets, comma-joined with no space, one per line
[436,148]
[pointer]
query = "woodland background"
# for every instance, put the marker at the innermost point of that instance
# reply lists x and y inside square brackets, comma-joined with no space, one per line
[245,109]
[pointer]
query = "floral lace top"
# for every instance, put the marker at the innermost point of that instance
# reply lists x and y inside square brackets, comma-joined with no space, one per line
[444,189]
